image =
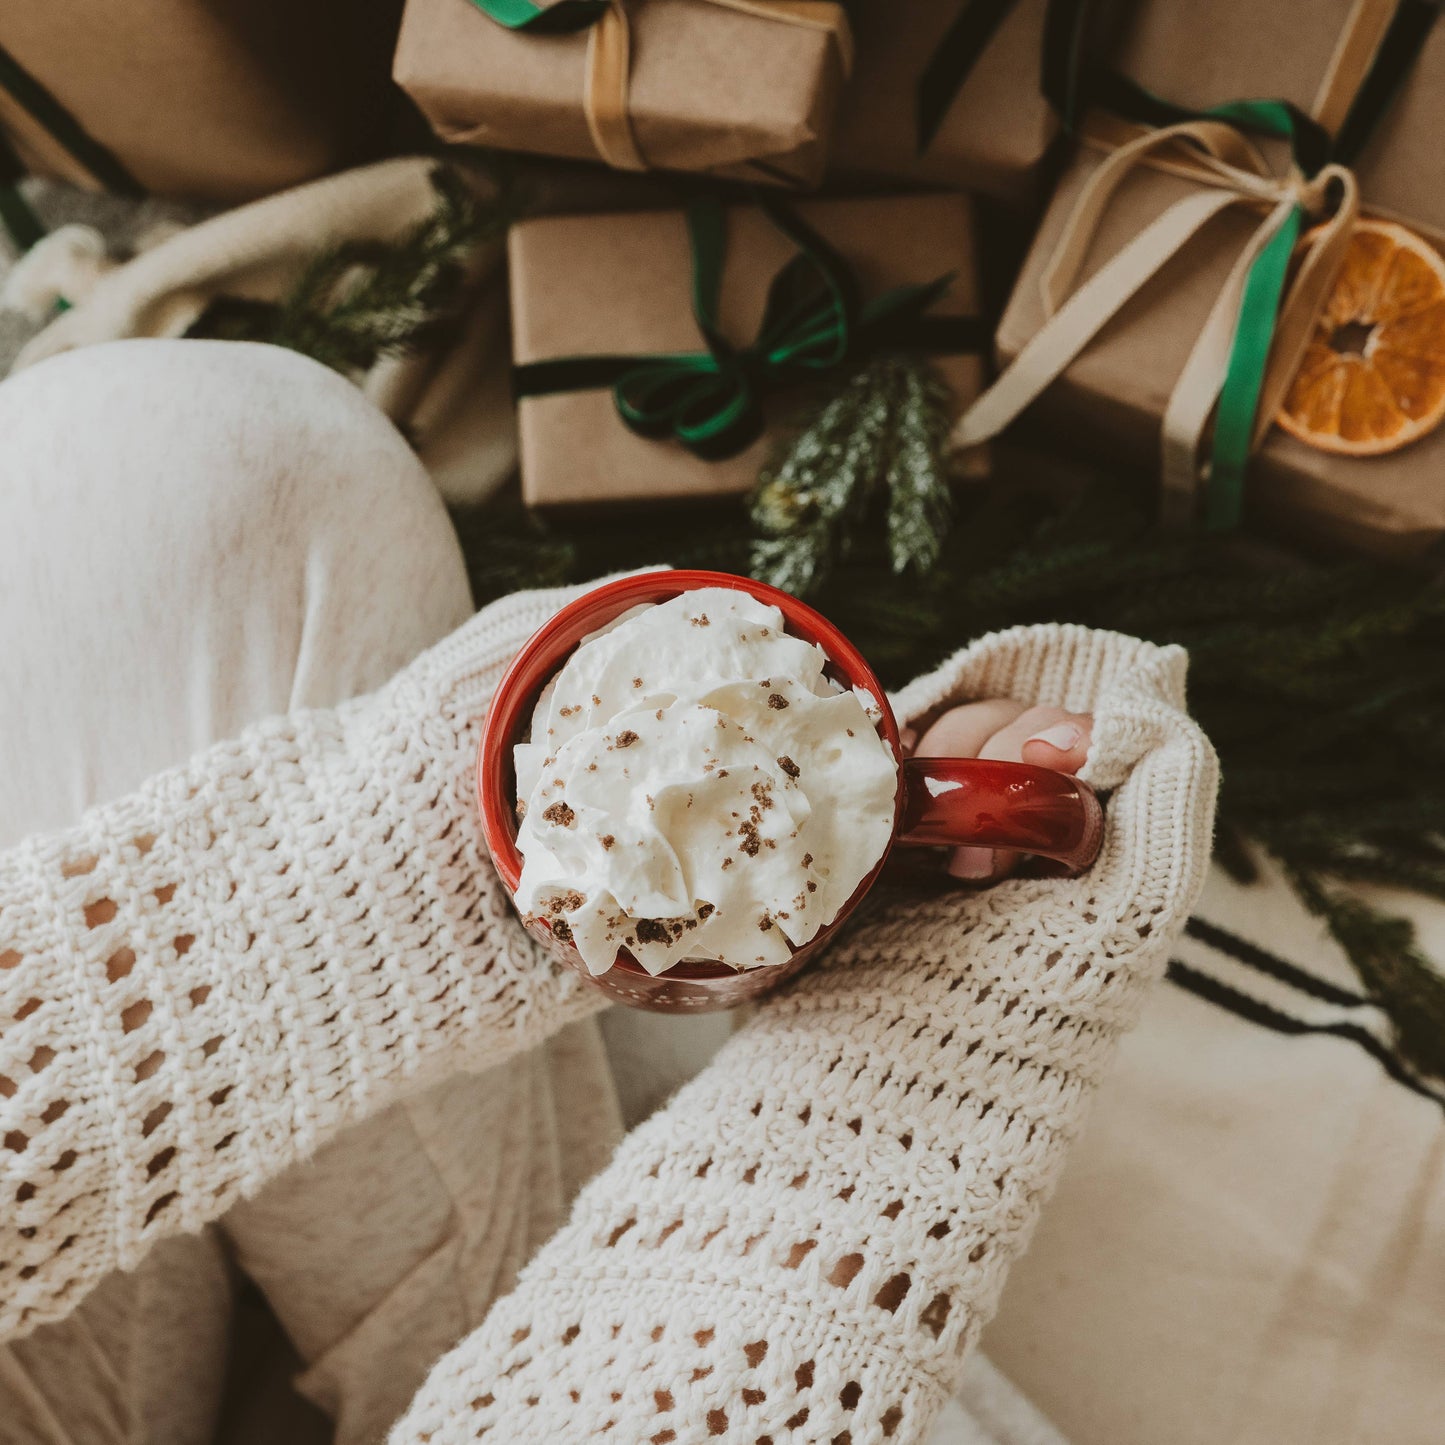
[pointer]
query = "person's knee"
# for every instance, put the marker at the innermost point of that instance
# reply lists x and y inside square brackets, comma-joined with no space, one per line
[228,480]
[195,424]
[210,448]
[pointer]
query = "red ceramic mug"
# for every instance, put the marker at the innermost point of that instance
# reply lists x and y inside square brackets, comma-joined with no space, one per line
[939,800]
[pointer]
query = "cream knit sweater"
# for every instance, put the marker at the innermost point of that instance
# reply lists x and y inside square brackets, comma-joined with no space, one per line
[201,982]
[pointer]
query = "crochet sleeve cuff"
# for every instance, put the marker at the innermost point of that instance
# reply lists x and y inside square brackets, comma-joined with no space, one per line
[204,980]
[804,1243]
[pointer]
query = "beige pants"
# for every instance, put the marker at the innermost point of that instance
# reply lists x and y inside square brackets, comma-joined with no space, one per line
[193,536]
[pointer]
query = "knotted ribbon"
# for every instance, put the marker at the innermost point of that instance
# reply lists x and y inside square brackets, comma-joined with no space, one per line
[1251,345]
[609,53]
[710,401]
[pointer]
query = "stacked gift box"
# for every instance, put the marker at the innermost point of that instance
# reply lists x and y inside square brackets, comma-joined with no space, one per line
[824,173]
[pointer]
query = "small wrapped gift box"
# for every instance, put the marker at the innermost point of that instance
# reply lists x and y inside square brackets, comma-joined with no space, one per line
[594,296]
[736,88]
[1116,391]
[977,87]
[215,100]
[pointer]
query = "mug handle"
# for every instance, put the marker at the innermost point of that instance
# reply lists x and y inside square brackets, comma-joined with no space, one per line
[988,804]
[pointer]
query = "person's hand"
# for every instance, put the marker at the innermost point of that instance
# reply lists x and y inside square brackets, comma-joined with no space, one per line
[1003,731]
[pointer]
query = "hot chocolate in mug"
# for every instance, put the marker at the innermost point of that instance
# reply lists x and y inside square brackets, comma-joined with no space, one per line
[938,801]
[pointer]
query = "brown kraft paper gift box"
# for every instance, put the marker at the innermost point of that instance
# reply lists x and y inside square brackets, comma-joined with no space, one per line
[998,127]
[1113,396]
[622,284]
[215,100]
[1204,55]
[710,89]
[1199,55]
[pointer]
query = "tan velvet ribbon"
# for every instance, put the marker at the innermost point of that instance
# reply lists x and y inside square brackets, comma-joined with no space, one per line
[609,55]
[1360,38]
[1232,173]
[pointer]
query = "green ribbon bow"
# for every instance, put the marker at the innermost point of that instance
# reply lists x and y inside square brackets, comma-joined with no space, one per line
[564,16]
[711,401]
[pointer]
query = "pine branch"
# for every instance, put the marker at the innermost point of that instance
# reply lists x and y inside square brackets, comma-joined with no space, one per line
[920,505]
[1383,951]
[880,437]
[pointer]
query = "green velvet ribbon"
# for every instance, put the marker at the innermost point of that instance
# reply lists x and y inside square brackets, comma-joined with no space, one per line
[710,401]
[564,16]
[1253,333]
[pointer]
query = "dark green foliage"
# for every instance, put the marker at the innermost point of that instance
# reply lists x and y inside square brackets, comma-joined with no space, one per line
[507,549]
[876,447]
[1393,969]
[363,300]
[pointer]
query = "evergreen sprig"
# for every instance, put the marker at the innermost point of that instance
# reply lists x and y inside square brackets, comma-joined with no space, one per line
[360,301]
[879,441]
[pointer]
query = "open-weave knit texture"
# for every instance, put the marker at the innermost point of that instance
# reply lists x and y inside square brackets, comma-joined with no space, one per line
[203,981]
[804,1243]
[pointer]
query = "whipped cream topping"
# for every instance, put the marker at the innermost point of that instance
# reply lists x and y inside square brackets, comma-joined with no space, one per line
[695,787]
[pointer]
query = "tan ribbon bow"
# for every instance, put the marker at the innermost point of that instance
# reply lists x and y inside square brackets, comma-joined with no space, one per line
[1233,173]
[609,64]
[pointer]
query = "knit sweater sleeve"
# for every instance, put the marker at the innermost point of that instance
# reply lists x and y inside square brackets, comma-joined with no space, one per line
[201,982]
[804,1243]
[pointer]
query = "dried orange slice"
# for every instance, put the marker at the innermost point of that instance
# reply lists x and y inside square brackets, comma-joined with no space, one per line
[1373,374]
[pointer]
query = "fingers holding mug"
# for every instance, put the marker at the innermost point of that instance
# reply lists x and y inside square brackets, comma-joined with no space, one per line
[1005,731]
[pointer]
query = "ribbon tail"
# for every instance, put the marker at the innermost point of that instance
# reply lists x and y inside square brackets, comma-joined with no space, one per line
[953,61]
[1066,24]
[1199,384]
[1080,319]
[1244,376]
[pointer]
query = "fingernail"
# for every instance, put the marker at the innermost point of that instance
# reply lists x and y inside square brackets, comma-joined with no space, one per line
[972,864]
[1065,736]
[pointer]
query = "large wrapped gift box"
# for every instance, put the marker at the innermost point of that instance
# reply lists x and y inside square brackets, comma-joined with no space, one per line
[585,286]
[1112,397]
[711,88]
[217,100]
[994,133]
